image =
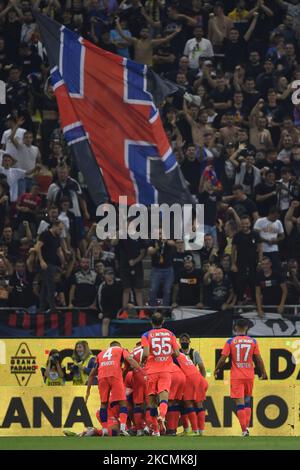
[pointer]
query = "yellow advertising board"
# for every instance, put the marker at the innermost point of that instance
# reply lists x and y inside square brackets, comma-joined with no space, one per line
[21,359]
[28,407]
[46,411]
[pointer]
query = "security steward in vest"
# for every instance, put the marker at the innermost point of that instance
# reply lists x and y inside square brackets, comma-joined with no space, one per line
[194,355]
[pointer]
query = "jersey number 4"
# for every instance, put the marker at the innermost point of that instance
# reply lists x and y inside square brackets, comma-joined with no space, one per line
[161,346]
[108,354]
[239,347]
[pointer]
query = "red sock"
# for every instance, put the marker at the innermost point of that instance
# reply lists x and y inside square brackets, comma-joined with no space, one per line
[163,408]
[193,420]
[248,412]
[148,418]
[176,419]
[172,419]
[154,423]
[123,418]
[185,421]
[138,420]
[201,420]
[242,418]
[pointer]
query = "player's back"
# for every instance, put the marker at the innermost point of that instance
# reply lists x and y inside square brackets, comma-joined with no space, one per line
[241,350]
[137,354]
[186,364]
[162,344]
[110,362]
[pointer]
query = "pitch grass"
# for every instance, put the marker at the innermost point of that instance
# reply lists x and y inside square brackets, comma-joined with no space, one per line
[150,443]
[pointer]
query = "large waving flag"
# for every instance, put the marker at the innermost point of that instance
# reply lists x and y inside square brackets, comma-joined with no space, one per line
[108,111]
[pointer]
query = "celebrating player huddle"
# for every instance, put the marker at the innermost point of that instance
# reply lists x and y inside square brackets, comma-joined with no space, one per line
[156,388]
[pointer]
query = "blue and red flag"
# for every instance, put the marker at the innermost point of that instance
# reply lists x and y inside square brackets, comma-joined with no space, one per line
[109,116]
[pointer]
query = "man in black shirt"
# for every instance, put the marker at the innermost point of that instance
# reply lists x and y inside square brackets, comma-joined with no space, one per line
[241,203]
[131,253]
[50,255]
[266,194]
[220,291]
[209,253]
[83,286]
[179,255]
[292,228]
[267,79]
[5,272]
[13,246]
[246,253]
[270,288]
[235,46]
[109,299]
[22,291]
[254,66]
[161,252]
[221,96]
[187,288]
[191,169]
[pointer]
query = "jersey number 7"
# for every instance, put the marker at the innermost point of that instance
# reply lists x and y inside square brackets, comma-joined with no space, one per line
[239,348]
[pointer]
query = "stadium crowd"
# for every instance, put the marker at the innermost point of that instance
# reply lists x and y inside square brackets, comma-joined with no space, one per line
[233,128]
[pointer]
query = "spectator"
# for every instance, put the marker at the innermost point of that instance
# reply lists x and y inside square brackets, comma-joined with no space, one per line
[285,191]
[197,47]
[4,204]
[28,207]
[109,299]
[15,130]
[27,155]
[83,286]
[219,26]
[50,256]
[13,175]
[188,286]
[292,228]
[65,186]
[220,293]
[271,290]
[5,273]
[191,169]
[179,255]
[242,204]
[131,253]
[161,252]
[209,195]
[293,283]
[143,47]
[271,233]
[83,363]
[209,252]
[10,243]
[266,193]
[248,175]
[118,41]
[246,255]
[23,292]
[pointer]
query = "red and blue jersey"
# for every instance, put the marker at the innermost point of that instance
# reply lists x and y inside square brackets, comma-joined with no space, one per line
[241,350]
[162,343]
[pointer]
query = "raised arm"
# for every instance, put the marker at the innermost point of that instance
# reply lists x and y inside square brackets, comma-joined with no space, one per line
[264,7]
[154,24]
[213,28]
[130,40]
[289,216]
[157,42]
[252,26]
